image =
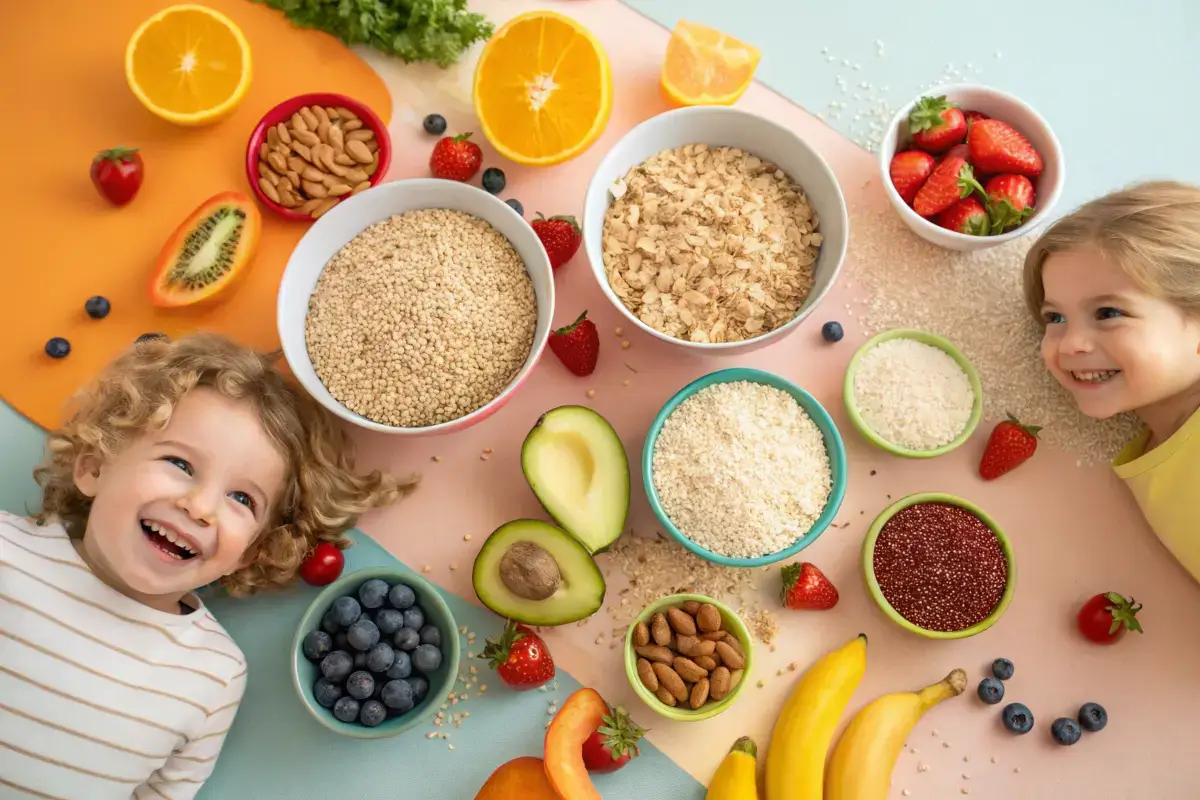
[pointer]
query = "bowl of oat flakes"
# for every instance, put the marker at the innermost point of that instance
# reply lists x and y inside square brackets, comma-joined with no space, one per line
[416,307]
[714,229]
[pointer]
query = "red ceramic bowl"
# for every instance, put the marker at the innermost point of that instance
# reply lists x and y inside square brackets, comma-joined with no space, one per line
[284,111]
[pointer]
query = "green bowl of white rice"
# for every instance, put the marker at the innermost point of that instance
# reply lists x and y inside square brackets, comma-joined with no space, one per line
[912,393]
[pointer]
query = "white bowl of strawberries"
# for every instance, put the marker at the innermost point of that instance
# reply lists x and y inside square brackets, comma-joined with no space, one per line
[969,167]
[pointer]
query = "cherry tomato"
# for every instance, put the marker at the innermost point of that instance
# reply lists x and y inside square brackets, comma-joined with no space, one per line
[1105,617]
[117,174]
[323,565]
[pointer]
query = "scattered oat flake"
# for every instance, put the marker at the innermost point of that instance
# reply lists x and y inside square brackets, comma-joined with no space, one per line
[427,569]
[619,331]
[591,392]
[625,345]
[466,537]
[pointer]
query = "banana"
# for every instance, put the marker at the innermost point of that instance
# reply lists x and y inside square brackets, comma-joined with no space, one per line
[862,762]
[735,779]
[796,759]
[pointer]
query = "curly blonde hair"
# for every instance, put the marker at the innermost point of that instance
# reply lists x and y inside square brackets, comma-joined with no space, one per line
[323,495]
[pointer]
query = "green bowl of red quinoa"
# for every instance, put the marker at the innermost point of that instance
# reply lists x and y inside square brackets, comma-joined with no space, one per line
[939,566]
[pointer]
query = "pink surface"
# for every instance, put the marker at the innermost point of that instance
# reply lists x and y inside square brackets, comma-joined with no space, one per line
[1074,530]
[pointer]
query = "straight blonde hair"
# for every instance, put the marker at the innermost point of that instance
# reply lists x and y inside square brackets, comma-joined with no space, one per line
[1151,231]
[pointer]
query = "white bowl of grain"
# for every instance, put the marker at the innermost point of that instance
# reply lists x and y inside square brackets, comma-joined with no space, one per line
[416,307]
[714,229]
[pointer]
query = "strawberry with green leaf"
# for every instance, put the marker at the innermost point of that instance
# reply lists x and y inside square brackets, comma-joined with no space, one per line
[967,216]
[577,345]
[951,180]
[1010,201]
[613,744]
[936,124]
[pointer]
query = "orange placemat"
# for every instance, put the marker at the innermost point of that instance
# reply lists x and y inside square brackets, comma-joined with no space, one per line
[66,98]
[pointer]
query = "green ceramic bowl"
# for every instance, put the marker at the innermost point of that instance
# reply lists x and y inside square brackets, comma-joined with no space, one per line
[732,622]
[305,672]
[925,338]
[868,553]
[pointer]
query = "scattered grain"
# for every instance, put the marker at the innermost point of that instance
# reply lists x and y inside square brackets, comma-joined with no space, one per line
[591,392]
[625,345]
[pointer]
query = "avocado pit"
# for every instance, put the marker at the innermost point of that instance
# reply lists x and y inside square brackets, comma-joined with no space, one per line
[529,571]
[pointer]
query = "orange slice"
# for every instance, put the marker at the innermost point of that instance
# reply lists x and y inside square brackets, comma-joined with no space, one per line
[705,67]
[543,89]
[188,64]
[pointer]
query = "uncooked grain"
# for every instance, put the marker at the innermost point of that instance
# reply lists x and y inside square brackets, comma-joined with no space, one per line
[741,469]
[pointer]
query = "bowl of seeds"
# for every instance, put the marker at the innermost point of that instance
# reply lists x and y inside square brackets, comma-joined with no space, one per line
[418,307]
[713,229]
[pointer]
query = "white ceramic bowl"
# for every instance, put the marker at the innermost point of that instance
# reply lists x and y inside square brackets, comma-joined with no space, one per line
[716,125]
[1001,106]
[345,221]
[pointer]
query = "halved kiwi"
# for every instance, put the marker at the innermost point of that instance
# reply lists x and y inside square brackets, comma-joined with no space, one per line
[208,252]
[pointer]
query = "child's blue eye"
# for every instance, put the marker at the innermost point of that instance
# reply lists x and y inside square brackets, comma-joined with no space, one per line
[243,498]
[179,462]
[1054,318]
[1108,312]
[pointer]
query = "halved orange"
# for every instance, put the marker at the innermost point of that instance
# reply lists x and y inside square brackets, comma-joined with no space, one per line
[188,64]
[704,67]
[543,89]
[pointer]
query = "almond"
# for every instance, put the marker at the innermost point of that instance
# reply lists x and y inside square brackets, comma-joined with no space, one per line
[705,662]
[689,670]
[681,621]
[708,618]
[287,199]
[277,162]
[713,636]
[373,145]
[646,673]
[719,683]
[294,178]
[285,185]
[362,187]
[310,119]
[352,125]
[359,152]
[685,644]
[282,132]
[296,164]
[268,189]
[665,697]
[670,680]
[323,207]
[345,113]
[323,129]
[354,175]
[339,189]
[730,657]
[335,139]
[660,630]
[306,137]
[360,135]
[641,632]
[703,647]
[344,160]
[272,139]
[321,114]
[265,171]
[691,607]
[312,174]
[314,188]
[303,151]
[699,693]
[374,165]
[654,652]
[310,206]
[298,124]
[732,641]
[264,150]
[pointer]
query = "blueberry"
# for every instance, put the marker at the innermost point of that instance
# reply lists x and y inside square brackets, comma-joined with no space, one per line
[398,694]
[149,337]
[414,618]
[427,658]
[1065,731]
[493,180]
[372,713]
[337,665]
[326,692]
[431,635]
[1002,668]
[401,596]
[435,124]
[360,685]
[360,659]
[380,657]
[1017,718]
[516,205]
[401,667]
[362,634]
[373,593]
[406,639]
[58,347]
[345,611]
[340,642]
[991,691]
[389,620]
[346,709]
[317,645]
[329,624]
[1092,717]
[97,307]
[420,687]
[832,331]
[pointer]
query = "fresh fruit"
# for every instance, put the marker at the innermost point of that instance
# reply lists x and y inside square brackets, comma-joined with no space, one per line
[576,465]
[560,236]
[1065,731]
[1010,201]
[323,566]
[577,345]
[533,572]
[1017,718]
[805,727]
[805,588]
[97,307]
[960,150]
[188,64]
[118,174]
[455,158]
[832,332]
[734,779]
[998,147]
[863,759]
[520,657]
[704,67]
[936,124]
[58,347]
[434,124]
[968,216]
[951,180]
[209,251]
[515,205]
[991,691]
[1105,617]
[1002,668]
[1092,717]
[613,744]
[1009,446]
[543,89]
[577,719]
[909,170]
[974,116]
[493,180]
[520,779]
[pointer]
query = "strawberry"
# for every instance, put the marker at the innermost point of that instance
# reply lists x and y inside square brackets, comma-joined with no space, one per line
[950,181]
[805,588]
[1010,201]
[966,216]
[560,236]
[520,657]
[613,744]
[1105,617]
[960,150]
[1010,445]
[998,147]
[908,171]
[455,158]
[974,116]
[935,124]
[577,345]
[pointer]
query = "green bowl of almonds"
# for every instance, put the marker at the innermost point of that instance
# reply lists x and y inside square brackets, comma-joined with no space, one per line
[687,656]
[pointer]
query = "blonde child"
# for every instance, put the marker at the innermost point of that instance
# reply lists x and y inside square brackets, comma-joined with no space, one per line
[187,462]
[1117,286]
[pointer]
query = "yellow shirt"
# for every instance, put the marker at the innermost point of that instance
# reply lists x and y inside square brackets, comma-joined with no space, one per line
[1165,483]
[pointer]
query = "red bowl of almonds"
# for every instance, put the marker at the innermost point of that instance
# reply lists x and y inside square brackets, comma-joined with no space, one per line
[311,151]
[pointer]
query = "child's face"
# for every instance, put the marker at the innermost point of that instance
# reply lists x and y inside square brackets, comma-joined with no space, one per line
[1112,345]
[209,480]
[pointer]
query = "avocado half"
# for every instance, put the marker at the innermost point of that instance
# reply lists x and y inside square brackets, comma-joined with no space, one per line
[576,465]
[532,572]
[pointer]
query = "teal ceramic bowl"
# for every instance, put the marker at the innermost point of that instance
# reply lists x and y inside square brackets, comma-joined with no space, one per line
[932,340]
[305,672]
[818,414]
[868,562]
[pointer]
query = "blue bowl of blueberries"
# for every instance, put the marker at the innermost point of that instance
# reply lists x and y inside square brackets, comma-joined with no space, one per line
[375,652]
